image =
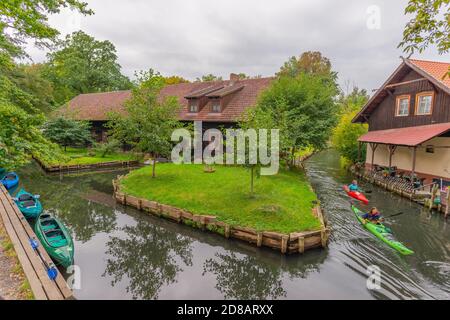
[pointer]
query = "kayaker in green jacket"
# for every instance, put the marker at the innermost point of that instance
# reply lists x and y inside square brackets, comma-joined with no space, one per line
[354,186]
[374,216]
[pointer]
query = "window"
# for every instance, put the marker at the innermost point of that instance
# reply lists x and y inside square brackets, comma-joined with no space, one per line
[402,106]
[424,103]
[216,107]
[193,107]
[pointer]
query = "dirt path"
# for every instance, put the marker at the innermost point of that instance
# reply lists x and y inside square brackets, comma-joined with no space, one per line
[11,275]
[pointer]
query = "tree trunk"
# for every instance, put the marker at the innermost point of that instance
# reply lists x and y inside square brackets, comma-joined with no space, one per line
[65,148]
[154,167]
[251,183]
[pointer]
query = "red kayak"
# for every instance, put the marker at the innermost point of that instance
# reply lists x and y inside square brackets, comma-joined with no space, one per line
[356,195]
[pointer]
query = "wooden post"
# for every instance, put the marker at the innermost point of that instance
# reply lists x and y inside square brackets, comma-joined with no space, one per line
[301,244]
[434,192]
[447,210]
[227,231]
[413,171]
[259,239]
[373,146]
[284,242]
[392,149]
[359,150]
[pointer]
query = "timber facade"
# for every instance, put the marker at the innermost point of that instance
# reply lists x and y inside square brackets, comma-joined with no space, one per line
[409,123]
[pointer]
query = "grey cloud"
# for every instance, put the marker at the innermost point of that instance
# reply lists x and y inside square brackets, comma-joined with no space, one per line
[192,38]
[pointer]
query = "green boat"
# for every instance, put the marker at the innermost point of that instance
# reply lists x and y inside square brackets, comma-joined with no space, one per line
[382,232]
[56,239]
[28,204]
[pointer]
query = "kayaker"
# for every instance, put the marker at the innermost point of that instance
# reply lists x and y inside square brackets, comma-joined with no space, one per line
[354,186]
[374,216]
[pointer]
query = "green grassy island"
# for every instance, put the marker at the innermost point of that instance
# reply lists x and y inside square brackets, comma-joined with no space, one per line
[281,203]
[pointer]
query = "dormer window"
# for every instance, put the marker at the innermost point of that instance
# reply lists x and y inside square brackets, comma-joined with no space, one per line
[193,107]
[216,107]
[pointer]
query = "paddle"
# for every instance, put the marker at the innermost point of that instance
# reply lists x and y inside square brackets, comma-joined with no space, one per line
[52,272]
[395,214]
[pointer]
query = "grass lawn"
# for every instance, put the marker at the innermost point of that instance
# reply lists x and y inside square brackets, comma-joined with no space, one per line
[281,203]
[81,156]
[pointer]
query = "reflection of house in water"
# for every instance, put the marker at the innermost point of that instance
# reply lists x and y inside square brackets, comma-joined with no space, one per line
[409,121]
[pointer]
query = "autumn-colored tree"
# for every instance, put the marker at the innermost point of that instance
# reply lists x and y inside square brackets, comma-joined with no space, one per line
[175,80]
[312,62]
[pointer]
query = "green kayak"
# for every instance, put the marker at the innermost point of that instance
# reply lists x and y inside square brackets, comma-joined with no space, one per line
[383,233]
[28,204]
[55,238]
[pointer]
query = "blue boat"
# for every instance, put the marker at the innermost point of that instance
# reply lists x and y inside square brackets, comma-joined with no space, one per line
[10,180]
[28,204]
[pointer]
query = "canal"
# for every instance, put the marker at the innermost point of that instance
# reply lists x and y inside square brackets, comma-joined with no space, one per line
[125,254]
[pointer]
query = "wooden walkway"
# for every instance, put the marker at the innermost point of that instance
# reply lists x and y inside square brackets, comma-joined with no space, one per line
[32,264]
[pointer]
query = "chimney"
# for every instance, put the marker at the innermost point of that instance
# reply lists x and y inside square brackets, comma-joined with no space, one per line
[234,77]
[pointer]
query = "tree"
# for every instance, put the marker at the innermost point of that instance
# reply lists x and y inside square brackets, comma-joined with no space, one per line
[84,65]
[20,118]
[311,62]
[108,147]
[303,108]
[21,138]
[429,26]
[150,121]
[67,132]
[175,80]
[345,137]
[208,77]
[23,20]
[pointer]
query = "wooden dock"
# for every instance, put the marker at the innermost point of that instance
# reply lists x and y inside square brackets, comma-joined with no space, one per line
[20,233]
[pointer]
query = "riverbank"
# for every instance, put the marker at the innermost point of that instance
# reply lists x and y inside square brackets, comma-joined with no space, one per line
[281,213]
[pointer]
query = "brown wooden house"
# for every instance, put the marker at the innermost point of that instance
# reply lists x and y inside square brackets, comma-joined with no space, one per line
[215,103]
[409,121]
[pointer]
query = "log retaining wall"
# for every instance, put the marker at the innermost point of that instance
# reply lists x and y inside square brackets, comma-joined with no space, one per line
[297,242]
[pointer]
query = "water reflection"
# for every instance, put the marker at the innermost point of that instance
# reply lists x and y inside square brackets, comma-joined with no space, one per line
[148,257]
[245,277]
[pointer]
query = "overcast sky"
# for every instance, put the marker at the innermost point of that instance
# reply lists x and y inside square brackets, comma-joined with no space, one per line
[195,37]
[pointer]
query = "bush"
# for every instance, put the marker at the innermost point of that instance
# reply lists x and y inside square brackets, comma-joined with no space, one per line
[108,147]
[345,137]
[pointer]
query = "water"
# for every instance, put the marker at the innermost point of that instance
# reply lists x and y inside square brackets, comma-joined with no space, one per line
[125,254]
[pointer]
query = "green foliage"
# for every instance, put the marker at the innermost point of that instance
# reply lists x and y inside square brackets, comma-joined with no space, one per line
[311,62]
[22,20]
[108,147]
[208,77]
[175,80]
[345,137]
[303,108]
[84,65]
[429,26]
[66,132]
[21,137]
[150,121]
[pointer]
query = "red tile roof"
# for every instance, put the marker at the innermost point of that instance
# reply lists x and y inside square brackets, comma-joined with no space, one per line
[410,136]
[437,70]
[95,106]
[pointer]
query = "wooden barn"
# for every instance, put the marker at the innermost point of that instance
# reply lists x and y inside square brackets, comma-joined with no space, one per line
[215,103]
[409,122]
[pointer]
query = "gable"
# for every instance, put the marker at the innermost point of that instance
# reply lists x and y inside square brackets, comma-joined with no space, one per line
[411,75]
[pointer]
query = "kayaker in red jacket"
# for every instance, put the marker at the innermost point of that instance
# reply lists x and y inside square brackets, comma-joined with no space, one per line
[374,216]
